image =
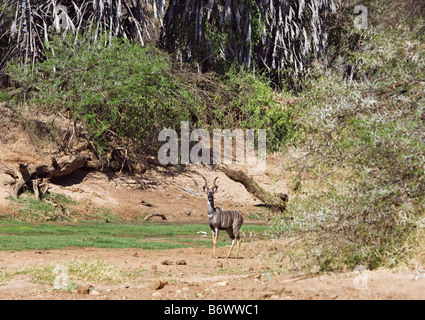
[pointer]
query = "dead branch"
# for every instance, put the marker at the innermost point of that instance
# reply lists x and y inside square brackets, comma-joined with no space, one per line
[46,188]
[36,188]
[275,202]
[150,216]
[190,191]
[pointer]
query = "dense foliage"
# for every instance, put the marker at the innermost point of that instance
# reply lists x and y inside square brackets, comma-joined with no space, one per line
[126,94]
[363,138]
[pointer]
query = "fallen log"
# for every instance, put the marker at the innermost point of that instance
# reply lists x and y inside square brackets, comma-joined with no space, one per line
[150,216]
[275,202]
[58,167]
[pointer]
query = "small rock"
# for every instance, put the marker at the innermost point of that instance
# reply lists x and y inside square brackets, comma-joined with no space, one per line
[139,168]
[84,289]
[145,203]
[94,292]
[136,255]
[155,285]
[167,262]
[181,262]
[267,294]
[158,284]
[287,291]
[219,264]
[220,284]
[156,294]
[154,267]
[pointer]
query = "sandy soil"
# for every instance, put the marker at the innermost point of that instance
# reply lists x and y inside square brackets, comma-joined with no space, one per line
[203,278]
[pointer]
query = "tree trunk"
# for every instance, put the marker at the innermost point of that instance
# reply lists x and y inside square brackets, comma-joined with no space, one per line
[23,176]
[57,168]
[275,202]
[36,188]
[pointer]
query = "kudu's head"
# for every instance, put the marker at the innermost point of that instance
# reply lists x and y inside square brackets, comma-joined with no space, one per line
[210,192]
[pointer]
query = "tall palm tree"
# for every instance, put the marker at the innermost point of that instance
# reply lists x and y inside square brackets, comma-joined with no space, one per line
[28,25]
[277,36]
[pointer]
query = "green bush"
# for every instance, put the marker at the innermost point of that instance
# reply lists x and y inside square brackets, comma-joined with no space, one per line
[121,90]
[362,174]
[127,94]
[253,105]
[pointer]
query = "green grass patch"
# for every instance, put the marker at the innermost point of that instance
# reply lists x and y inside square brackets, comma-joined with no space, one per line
[56,207]
[18,235]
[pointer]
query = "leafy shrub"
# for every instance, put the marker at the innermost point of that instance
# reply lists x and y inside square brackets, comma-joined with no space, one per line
[127,94]
[252,105]
[119,90]
[363,166]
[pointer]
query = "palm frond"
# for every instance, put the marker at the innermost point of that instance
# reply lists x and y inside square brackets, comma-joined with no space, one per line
[30,24]
[278,36]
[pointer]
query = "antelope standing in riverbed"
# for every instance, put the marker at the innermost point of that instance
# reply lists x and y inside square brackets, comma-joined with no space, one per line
[230,220]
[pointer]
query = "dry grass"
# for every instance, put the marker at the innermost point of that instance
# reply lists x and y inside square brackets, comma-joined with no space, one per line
[70,276]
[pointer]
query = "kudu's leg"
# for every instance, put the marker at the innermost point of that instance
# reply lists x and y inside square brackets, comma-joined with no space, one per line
[237,248]
[215,237]
[231,248]
[232,236]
